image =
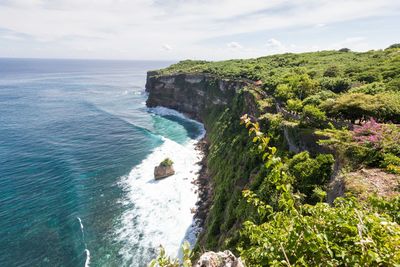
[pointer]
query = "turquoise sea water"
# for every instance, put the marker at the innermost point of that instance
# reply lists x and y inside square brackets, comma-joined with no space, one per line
[77,152]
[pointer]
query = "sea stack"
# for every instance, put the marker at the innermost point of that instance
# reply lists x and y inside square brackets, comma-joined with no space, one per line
[164,169]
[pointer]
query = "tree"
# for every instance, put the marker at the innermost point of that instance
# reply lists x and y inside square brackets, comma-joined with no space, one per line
[331,71]
[295,105]
[393,46]
[312,116]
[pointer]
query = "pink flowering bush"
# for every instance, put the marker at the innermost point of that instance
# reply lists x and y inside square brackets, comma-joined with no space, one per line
[379,144]
[370,133]
[373,144]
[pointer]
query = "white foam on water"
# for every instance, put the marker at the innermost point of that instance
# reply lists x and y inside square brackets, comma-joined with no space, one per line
[80,223]
[162,111]
[87,262]
[162,209]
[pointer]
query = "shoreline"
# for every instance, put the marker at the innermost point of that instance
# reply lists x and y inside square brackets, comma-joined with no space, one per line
[203,183]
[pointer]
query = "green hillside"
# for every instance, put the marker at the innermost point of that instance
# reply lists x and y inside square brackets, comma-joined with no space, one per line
[313,178]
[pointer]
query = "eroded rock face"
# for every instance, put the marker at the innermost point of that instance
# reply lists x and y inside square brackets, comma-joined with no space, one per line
[191,94]
[161,171]
[219,259]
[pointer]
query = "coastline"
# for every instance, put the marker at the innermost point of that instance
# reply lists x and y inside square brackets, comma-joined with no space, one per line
[203,183]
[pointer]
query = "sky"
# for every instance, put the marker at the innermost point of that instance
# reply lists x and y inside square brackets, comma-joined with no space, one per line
[195,29]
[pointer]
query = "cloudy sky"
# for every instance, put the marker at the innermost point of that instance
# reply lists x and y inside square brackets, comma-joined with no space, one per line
[201,29]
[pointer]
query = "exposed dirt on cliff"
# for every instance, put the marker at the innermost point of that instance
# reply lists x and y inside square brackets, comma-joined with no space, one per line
[365,182]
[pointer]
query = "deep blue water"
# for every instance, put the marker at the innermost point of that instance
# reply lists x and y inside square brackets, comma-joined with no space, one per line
[69,130]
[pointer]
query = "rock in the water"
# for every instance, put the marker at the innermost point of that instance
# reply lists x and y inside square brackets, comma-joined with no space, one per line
[163,170]
[219,259]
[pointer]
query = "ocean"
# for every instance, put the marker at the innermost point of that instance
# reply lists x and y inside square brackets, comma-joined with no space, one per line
[77,152]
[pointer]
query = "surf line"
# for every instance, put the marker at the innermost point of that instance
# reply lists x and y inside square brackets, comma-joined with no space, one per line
[87,261]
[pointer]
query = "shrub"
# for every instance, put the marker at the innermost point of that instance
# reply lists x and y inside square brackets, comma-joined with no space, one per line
[372,144]
[167,162]
[345,50]
[303,86]
[370,89]
[369,76]
[319,97]
[313,116]
[284,92]
[331,71]
[310,173]
[163,260]
[393,46]
[346,234]
[391,163]
[294,234]
[337,85]
[360,106]
[295,105]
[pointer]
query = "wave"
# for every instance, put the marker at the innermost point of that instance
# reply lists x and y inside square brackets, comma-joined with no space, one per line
[163,111]
[87,261]
[87,252]
[159,212]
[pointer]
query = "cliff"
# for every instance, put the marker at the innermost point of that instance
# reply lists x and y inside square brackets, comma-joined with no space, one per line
[307,109]
[191,94]
[218,103]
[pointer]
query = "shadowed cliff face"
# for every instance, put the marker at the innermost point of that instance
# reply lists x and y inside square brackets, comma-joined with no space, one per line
[191,94]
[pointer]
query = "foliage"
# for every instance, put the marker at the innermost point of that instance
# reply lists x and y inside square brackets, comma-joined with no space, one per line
[345,234]
[302,85]
[167,162]
[393,46]
[359,106]
[336,84]
[344,50]
[390,207]
[391,163]
[320,97]
[331,71]
[163,260]
[310,173]
[352,78]
[371,144]
[370,88]
[295,105]
[284,92]
[313,116]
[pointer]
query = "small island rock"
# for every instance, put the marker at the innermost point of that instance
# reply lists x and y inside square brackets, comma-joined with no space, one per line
[164,170]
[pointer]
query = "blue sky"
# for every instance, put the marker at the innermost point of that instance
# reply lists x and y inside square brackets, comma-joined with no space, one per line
[201,29]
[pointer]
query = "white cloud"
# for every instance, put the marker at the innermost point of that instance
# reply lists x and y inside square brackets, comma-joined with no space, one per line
[320,25]
[133,29]
[275,46]
[234,45]
[166,47]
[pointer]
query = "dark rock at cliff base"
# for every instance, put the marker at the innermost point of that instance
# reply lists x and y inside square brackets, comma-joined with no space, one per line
[219,259]
[162,171]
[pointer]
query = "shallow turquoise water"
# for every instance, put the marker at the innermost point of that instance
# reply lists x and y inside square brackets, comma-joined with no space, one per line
[69,130]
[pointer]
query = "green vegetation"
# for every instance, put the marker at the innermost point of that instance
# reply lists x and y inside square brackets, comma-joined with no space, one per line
[167,162]
[163,260]
[372,144]
[345,85]
[291,232]
[345,234]
[318,115]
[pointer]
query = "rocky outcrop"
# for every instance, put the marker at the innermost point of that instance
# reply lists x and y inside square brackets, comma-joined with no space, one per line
[191,94]
[219,259]
[161,171]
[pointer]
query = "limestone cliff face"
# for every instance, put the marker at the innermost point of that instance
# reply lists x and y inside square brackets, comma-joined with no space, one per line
[191,94]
